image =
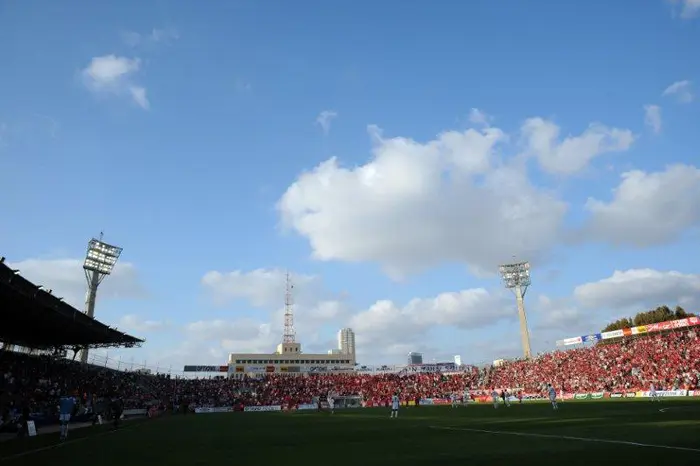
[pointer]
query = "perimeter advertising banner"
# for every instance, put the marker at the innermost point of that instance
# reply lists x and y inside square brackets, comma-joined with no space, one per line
[205,369]
[625,332]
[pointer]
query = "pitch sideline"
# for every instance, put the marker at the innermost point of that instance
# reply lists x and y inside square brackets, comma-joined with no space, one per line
[566,437]
[53,446]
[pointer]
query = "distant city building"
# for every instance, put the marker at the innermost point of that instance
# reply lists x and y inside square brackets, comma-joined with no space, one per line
[415,358]
[334,351]
[458,360]
[346,341]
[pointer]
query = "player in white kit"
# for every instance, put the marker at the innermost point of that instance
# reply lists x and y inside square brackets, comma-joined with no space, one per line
[652,393]
[394,406]
[453,397]
[331,402]
[466,397]
[552,396]
[494,397]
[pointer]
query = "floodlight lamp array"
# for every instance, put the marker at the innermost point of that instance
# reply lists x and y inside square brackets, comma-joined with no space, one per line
[101,257]
[515,274]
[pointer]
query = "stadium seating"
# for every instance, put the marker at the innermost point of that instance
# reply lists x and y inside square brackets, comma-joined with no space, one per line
[669,361]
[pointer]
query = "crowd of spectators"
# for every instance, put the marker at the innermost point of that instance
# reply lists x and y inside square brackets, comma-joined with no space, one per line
[34,383]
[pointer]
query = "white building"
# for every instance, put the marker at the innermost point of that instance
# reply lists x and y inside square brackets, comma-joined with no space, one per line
[288,359]
[346,341]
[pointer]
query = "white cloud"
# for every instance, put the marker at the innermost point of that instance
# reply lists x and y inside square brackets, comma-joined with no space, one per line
[689,8]
[138,93]
[477,117]
[325,118]
[114,75]
[652,117]
[67,279]
[156,36]
[559,315]
[384,323]
[415,205]
[383,330]
[136,324]
[261,287]
[240,336]
[681,90]
[640,288]
[647,208]
[574,153]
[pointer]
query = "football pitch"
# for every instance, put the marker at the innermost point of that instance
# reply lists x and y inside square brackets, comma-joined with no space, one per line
[579,433]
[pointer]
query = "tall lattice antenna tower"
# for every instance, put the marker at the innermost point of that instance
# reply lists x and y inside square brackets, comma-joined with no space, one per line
[289,332]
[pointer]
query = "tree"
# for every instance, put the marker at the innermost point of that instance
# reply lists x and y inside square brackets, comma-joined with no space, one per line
[660,314]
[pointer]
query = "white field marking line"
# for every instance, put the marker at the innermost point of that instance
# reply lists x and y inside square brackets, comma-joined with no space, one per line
[566,437]
[62,444]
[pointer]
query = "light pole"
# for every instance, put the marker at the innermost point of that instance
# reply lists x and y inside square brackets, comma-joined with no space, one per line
[516,277]
[99,262]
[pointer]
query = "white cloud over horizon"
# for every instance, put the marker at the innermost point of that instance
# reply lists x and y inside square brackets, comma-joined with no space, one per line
[385,329]
[114,75]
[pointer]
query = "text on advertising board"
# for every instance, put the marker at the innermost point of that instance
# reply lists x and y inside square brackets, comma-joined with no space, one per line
[262,408]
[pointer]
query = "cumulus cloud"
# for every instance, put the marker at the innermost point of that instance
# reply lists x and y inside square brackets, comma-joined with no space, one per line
[574,153]
[652,118]
[557,314]
[385,323]
[325,118]
[641,289]
[647,208]
[241,336]
[134,323]
[682,91]
[314,308]
[67,279]
[113,75]
[261,287]
[416,204]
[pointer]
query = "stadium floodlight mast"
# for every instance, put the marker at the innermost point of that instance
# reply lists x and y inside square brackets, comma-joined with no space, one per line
[100,259]
[516,277]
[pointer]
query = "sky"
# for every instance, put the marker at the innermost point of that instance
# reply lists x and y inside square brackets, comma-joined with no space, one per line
[389,155]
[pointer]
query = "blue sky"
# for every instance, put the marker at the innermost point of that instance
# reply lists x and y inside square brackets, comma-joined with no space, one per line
[200,139]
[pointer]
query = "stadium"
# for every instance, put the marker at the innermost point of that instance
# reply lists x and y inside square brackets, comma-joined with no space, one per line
[629,392]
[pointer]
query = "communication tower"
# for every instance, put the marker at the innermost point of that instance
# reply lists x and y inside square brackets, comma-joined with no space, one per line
[289,333]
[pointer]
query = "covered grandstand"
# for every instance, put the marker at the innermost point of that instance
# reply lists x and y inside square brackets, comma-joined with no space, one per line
[33,317]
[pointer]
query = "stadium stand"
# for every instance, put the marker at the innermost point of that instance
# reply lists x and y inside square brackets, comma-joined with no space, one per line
[30,383]
[34,318]
[37,330]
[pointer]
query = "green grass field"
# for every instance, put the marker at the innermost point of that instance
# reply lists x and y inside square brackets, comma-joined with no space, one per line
[476,434]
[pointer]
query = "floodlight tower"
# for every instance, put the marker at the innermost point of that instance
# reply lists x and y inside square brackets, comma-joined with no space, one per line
[516,277]
[99,262]
[289,332]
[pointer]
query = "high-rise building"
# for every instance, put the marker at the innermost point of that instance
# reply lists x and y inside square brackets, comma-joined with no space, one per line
[415,358]
[346,341]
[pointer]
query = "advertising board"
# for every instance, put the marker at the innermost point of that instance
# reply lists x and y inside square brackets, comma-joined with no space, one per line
[220,409]
[306,407]
[666,393]
[259,409]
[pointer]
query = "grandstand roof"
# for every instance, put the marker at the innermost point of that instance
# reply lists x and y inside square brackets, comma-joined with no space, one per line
[34,318]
